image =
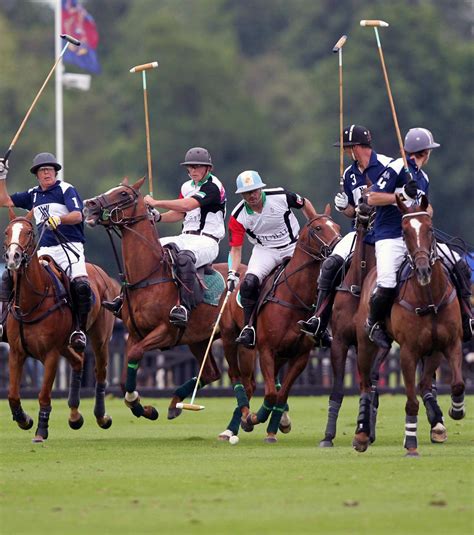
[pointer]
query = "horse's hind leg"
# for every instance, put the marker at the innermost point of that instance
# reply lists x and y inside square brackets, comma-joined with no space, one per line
[44,397]
[381,355]
[408,361]
[457,411]
[76,420]
[438,432]
[15,364]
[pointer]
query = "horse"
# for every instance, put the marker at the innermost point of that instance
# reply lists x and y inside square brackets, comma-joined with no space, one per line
[39,323]
[284,301]
[150,291]
[426,321]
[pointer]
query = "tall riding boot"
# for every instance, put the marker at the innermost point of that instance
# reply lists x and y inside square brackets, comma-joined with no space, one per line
[462,281]
[6,290]
[329,278]
[114,306]
[186,267]
[249,290]
[380,306]
[82,299]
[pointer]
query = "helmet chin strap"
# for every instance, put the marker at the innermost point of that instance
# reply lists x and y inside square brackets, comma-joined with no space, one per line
[353,156]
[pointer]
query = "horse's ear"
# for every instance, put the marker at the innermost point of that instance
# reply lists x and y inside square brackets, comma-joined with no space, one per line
[401,205]
[29,215]
[139,183]
[124,181]
[11,213]
[327,209]
[424,203]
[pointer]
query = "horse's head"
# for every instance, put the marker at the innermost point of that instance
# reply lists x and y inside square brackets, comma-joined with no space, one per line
[319,236]
[121,205]
[419,239]
[20,243]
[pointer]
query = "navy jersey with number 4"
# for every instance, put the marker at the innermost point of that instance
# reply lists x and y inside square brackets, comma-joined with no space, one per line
[60,199]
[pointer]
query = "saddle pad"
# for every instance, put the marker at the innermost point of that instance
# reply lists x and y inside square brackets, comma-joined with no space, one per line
[215,285]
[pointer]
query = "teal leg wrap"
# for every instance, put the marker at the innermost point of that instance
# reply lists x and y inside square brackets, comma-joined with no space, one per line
[275,418]
[187,388]
[263,413]
[131,382]
[241,395]
[235,421]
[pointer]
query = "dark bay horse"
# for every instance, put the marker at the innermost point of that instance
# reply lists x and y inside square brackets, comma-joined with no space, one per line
[426,321]
[150,292]
[279,338]
[39,323]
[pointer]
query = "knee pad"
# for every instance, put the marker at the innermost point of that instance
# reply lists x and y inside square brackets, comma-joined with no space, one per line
[250,286]
[185,258]
[329,271]
[82,294]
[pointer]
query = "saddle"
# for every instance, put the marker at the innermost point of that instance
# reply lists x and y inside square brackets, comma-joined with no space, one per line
[61,282]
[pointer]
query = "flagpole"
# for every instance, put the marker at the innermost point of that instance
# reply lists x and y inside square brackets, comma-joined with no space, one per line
[59,87]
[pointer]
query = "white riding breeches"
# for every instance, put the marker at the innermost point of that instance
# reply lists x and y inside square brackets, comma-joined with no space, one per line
[264,259]
[447,255]
[72,261]
[345,246]
[205,249]
[389,255]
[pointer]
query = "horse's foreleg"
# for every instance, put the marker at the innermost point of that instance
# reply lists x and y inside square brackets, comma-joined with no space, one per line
[267,366]
[365,356]
[101,353]
[408,361]
[381,355]
[438,432]
[15,364]
[457,411]
[44,397]
[76,419]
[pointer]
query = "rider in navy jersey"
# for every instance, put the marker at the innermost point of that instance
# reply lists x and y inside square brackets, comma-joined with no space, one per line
[390,248]
[366,167]
[57,209]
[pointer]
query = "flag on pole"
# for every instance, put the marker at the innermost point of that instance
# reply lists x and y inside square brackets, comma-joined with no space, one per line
[76,21]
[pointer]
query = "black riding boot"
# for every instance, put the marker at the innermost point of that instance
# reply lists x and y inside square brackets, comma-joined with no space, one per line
[114,306]
[6,290]
[329,278]
[186,268]
[249,290]
[462,280]
[82,300]
[380,306]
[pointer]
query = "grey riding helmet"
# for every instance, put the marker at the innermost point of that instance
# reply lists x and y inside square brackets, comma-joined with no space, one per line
[355,134]
[44,159]
[197,156]
[418,139]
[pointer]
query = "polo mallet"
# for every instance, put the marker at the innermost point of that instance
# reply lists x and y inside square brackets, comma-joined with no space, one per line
[375,24]
[143,68]
[338,48]
[68,40]
[192,406]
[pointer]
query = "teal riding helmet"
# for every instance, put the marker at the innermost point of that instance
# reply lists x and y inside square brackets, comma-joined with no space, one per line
[249,181]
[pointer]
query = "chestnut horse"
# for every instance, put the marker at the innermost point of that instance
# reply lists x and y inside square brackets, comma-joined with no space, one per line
[279,338]
[426,321]
[40,321]
[150,292]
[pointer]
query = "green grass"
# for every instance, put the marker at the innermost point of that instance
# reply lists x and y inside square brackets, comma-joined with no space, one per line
[175,477]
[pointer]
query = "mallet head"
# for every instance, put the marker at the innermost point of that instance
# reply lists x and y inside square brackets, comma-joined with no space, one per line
[144,67]
[340,43]
[70,39]
[380,23]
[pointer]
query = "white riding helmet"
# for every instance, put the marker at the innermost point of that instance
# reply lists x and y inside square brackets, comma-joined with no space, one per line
[249,181]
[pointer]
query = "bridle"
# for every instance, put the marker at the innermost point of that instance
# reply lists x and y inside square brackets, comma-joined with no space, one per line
[24,249]
[431,255]
[324,249]
[113,212]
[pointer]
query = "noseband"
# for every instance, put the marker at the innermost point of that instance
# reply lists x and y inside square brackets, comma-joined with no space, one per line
[430,255]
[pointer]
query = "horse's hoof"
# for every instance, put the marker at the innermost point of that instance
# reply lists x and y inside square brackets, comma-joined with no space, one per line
[246,424]
[411,452]
[105,422]
[174,412]
[271,439]
[76,424]
[285,423]
[150,412]
[438,434]
[372,439]
[38,439]
[360,444]
[26,424]
[457,415]
[326,443]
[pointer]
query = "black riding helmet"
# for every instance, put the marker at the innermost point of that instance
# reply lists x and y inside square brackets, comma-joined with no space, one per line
[355,134]
[43,159]
[197,156]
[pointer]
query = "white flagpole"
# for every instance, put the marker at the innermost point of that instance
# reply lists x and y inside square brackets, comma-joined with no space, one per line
[59,87]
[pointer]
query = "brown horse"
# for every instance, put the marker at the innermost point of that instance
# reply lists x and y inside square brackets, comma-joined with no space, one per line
[150,292]
[40,321]
[279,338]
[426,321]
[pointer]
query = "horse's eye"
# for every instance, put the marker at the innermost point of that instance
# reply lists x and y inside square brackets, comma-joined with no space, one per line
[318,228]
[123,193]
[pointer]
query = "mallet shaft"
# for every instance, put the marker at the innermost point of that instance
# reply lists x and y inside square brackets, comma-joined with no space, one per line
[147,132]
[144,67]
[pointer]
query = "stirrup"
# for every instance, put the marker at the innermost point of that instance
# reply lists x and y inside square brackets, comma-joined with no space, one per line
[78,341]
[179,316]
[377,335]
[247,337]
[310,326]
[114,306]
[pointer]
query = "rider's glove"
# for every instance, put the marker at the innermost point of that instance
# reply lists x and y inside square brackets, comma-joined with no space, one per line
[341,201]
[155,215]
[232,280]
[3,169]
[410,189]
[53,222]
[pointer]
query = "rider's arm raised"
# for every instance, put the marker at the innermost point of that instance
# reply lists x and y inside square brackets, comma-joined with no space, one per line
[5,199]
